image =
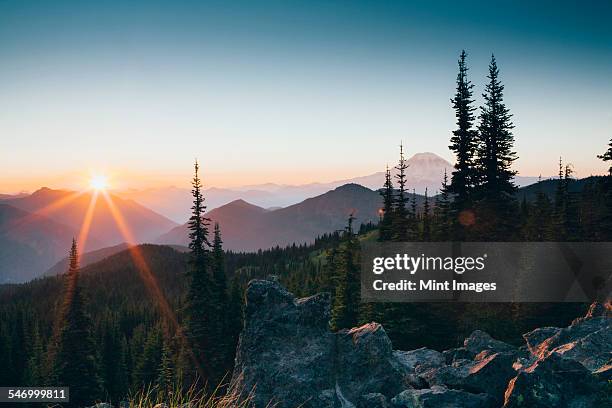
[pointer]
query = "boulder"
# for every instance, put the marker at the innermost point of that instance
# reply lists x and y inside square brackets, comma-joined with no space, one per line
[479,341]
[365,363]
[419,360]
[554,381]
[288,357]
[588,340]
[437,396]
[285,351]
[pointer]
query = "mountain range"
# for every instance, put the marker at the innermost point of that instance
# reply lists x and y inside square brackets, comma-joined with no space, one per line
[247,227]
[425,171]
[69,208]
[29,243]
[36,230]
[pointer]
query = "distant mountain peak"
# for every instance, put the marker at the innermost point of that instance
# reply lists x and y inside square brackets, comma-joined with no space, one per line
[428,156]
[240,203]
[351,187]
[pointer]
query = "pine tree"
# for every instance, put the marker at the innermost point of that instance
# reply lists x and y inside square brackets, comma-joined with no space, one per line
[497,209]
[413,214]
[235,315]
[75,363]
[220,350]
[146,371]
[463,144]
[442,221]
[401,222]
[198,310]
[539,219]
[426,234]
[165,373]
[386,223]
[35,374]
[607,156]
[345,311]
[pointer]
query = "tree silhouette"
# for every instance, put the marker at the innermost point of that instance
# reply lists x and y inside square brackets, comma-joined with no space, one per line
[607,156]
[75,363]
[198,313]
[463,144]
[386,222]
[498,206]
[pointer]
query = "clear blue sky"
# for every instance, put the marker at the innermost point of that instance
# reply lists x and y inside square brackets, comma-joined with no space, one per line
[286,91]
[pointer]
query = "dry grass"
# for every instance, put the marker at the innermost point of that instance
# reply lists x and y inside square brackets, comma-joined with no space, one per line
[192,398]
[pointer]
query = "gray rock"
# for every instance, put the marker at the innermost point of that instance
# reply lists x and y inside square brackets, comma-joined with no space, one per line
[288,357]
[587,340]
[598,309]
[365,362]
[479,341]
[438,396]
[460,353]
[419,360]
[554,381]
[285,351]
[536,337]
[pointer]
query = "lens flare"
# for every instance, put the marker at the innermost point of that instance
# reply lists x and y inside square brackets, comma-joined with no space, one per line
[99,182]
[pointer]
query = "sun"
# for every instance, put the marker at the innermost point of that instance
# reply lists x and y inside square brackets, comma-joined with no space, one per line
[99,182]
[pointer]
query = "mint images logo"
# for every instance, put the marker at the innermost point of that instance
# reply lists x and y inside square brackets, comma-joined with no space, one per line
[486,271]
[412,264]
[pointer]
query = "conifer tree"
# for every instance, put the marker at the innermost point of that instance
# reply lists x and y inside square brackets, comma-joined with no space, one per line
[345,311]
[147,365]
[386,223]
[198,310]
[495,157]
[401,222]
[234,314]
[607,156]
[463,144]
[539,219]
[426,234]
[35,374]
[220,350]
[413,213]
[165,373]
[606,186]
[442,212]
[75,363]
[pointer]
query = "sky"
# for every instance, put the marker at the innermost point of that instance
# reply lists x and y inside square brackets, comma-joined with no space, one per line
[286,91]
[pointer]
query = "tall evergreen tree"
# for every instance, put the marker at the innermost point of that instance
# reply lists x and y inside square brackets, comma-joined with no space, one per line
[345,311]
[498,207]
[147,364]
[165,373]
[386,223]
[401,221]
[607,156]
[539,219]
[75,364]
[221,354]
[198,310]
[463,144]
[35,374]
[426,231]
[441,211]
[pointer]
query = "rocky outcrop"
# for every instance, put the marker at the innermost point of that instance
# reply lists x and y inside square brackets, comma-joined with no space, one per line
[287,356]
